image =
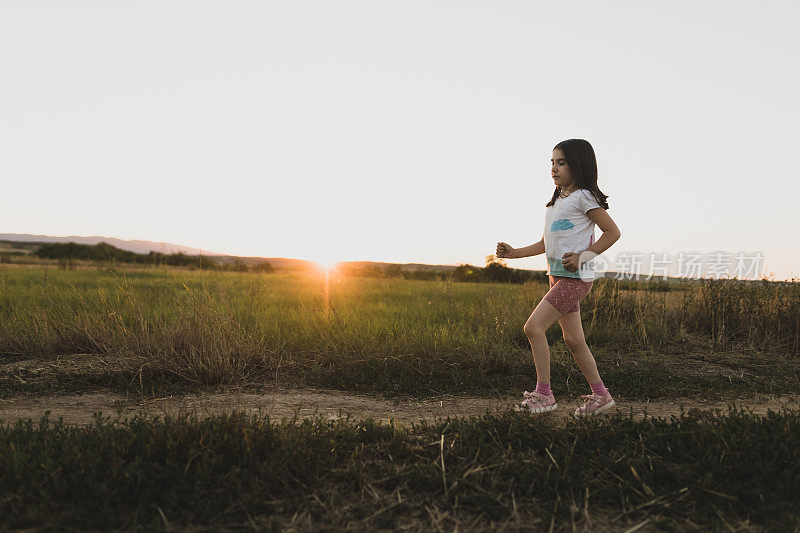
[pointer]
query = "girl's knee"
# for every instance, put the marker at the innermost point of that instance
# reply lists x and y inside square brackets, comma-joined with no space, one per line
[574,343]
[533,330]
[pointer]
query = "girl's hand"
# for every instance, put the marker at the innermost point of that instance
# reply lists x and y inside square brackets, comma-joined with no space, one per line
[505,250]
[570,261]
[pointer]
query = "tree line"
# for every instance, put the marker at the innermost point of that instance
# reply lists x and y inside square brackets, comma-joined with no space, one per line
[66,254]
[494,271]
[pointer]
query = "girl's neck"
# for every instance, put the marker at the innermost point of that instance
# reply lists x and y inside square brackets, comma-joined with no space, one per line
[567,191]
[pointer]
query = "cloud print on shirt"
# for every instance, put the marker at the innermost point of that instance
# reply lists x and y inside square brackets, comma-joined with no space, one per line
[561,224]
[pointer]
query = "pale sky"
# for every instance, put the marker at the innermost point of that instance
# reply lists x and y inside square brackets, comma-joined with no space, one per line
[406,131]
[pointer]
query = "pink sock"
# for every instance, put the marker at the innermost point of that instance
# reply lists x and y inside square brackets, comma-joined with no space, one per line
[599,388]
[543,388]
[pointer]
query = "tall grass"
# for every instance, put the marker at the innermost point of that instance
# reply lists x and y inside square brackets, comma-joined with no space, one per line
[204,328]
[767,315]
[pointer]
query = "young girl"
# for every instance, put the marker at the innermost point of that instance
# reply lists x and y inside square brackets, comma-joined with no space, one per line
[576,206]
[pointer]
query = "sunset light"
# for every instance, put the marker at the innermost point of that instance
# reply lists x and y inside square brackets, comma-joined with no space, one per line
[272,242]
[327,264]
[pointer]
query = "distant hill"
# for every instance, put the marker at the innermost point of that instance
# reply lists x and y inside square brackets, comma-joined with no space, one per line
[28,243]
[136,246]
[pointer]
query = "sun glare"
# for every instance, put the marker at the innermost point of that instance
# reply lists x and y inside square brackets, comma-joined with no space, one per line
[326,264]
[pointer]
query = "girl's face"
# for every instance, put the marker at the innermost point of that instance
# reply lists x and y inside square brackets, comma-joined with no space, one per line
[560,170]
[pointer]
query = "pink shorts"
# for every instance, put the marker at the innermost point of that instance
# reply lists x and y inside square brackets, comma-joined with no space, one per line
[565,293]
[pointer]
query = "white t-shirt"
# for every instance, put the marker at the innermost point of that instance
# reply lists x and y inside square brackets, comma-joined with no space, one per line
[568,229]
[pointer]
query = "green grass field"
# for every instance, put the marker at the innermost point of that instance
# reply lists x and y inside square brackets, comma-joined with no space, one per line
[170,330]
[166,331]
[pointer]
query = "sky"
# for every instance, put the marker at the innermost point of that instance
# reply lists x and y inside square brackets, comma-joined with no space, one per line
[405,131]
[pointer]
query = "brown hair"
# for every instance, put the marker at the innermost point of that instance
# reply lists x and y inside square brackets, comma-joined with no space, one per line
[583,167]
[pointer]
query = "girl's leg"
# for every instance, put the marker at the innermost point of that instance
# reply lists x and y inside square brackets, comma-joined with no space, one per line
[576,342]
[542,318]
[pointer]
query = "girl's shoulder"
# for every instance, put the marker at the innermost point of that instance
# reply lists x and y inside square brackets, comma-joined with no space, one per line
[585,193]
[587,200]
[580,199]
[578,196]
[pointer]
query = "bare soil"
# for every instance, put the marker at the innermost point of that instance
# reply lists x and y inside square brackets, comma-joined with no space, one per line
[282,402]
[279,401]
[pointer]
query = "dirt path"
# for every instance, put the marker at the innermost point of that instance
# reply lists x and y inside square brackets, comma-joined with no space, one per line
[280,402]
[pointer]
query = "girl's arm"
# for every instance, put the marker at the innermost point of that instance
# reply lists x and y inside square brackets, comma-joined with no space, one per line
[611,233]
[528,251]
